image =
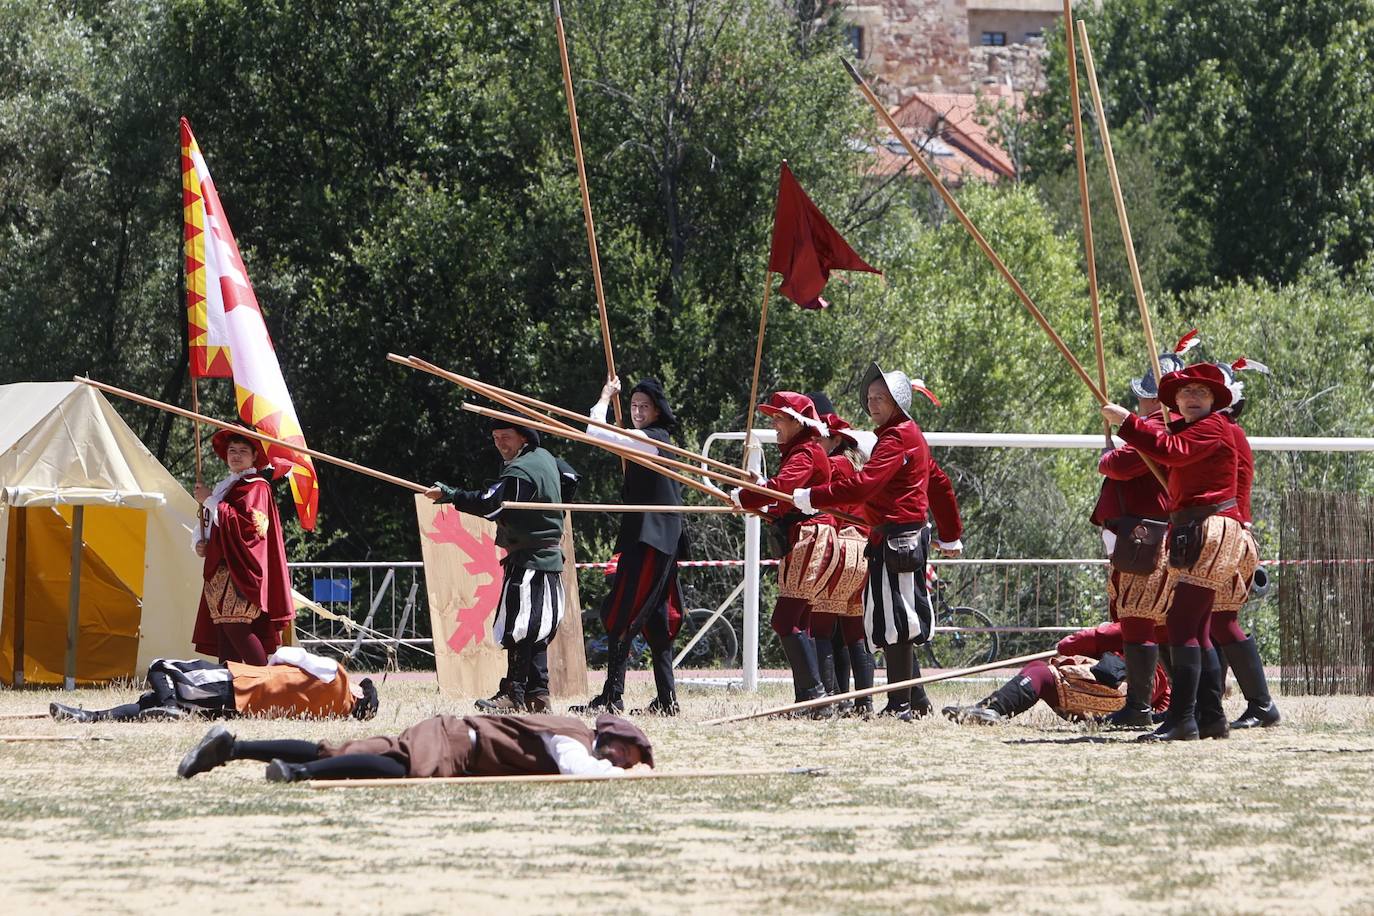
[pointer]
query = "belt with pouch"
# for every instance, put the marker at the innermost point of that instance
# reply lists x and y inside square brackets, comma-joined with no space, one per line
[1198,513]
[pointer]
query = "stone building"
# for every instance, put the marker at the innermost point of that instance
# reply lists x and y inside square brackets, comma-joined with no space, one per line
[951,46]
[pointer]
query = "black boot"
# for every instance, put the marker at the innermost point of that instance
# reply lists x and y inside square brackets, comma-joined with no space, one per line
[281,771]
[612,695]
[920,701]
[665,704]
[1211,715]
[1140,688]
[1011,699]
[900,663]
[61,712]
[861,663]
[1179,723]
[214,750]
[840,652]
[825,665]
[1260,710]
[800,649]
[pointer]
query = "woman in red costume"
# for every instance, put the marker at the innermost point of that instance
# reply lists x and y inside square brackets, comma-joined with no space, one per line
[246,599]
[1207,545]
[810,540]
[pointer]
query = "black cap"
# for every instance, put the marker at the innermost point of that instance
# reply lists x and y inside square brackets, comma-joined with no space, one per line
[530,435]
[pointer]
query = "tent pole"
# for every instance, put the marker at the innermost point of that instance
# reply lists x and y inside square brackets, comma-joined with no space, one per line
[21,547]
[74,598]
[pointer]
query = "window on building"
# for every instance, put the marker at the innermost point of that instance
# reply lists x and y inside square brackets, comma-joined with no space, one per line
[855,34]
[1038,35]
[995,39]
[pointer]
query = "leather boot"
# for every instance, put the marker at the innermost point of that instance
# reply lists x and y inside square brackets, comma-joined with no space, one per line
[861,663]
[1140,688]
[900,662]
[281,771]
[538,702]
[665,704]
[800,650]
[1011,699]
[612,695]
[214,750]
[1211,715]
[61,712]
[825,665]
[840,652]
[1179,723]
[1260,710]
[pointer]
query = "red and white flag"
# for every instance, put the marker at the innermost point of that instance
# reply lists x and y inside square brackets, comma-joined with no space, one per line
[227,334]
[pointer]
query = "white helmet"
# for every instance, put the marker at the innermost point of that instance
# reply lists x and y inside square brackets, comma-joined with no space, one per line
[898,387]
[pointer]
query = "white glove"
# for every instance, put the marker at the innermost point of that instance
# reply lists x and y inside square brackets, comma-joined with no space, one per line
[734,498]
[802,500]
[761,480]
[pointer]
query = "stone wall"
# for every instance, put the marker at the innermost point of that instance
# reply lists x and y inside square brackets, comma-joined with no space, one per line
[912,46]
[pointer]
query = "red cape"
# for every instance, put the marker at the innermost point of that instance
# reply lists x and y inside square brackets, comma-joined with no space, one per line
[257,563]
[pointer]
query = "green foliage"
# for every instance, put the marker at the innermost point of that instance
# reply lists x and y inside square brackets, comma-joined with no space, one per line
[1261,114]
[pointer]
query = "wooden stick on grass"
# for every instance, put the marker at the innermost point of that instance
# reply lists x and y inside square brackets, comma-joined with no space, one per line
[870,691]
[625,776]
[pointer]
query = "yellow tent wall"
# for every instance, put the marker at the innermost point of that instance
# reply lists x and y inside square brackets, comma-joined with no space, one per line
[61,445]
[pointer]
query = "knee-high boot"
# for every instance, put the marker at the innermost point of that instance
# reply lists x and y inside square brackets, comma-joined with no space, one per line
[1179,723]
[665,704]
[800,649]
[612,695]
[861,663]
[909,702]
[1011,699]
[1211,716]
[840,652]
[1260,709]
[1140,687]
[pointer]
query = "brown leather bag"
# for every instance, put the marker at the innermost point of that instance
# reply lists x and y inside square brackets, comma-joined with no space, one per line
[1138,543]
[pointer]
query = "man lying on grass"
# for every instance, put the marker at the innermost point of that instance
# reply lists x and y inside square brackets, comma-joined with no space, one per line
[293,683]
[442,746]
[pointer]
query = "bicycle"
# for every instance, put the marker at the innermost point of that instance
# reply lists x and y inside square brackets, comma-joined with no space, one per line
[952,646]
[719,648]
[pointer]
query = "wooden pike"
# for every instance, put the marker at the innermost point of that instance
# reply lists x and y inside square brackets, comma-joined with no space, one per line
[617,507]
[758,362]
[523,403]
[656,462]
[17,739]
[870,691]
[1102,130]
[1089,250]
[586,198]
[13,716]
[211,421]
[625,776]
[982,242]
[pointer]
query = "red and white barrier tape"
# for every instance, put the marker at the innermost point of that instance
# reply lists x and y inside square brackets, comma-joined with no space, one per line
[716,564]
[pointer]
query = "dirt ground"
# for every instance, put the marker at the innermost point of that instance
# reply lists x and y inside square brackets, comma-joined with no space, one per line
[1037,816]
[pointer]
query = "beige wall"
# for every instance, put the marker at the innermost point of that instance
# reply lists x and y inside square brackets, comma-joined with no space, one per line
[1017,24]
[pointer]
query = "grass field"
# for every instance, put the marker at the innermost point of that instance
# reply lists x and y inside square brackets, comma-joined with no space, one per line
[1038,816]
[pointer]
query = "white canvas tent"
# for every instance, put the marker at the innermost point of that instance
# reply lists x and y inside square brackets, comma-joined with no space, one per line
[69,463]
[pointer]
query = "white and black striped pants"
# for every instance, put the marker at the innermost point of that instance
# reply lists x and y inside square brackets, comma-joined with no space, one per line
[897,605]
[530,609]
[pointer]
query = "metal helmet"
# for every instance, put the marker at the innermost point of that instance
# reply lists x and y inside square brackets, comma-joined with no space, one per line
[1233,384]
[1260,583]
[1147,386]
[898,387]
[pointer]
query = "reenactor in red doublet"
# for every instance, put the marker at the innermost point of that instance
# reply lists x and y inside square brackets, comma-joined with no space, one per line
[837,614]
[1131,495]
[894,490]
[246,600]
[809,539]
[1207,544]
[1084,681]
[1232,641]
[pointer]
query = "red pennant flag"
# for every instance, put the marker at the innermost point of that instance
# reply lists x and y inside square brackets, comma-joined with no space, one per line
[806,248]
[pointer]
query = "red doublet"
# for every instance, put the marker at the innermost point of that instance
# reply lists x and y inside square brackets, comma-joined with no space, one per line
[1128,487]
[1201,458]
[804,464]
[256,559]
[842,468]
[899,484]
[1245,468]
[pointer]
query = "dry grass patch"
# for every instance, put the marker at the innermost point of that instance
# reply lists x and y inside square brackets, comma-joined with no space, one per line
[1040,816]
